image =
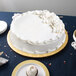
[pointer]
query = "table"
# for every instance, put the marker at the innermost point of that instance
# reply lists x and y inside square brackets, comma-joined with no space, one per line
[62,64]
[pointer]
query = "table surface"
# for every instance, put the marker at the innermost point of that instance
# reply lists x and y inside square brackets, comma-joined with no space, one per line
[62,64]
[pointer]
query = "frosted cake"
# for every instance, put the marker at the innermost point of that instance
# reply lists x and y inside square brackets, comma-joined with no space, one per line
[37,32]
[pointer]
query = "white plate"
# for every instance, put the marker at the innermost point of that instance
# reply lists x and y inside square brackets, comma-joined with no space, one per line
[3,26]
[21,68]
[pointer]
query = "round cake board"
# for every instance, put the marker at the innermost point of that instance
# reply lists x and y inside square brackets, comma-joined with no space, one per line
[21,68]
[37,55]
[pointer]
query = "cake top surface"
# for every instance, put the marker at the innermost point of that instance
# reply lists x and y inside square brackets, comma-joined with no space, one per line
[37,26]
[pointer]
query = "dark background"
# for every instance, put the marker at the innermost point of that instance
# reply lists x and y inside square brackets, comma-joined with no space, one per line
[58,66]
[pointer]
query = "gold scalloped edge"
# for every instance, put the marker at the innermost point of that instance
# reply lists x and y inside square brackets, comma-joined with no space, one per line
[30,61]
[37,55]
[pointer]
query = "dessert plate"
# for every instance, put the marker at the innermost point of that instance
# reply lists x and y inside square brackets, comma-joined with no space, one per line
[3,26]
[36,55]
[20,69]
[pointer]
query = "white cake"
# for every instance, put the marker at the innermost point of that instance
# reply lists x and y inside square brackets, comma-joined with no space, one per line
[37,32]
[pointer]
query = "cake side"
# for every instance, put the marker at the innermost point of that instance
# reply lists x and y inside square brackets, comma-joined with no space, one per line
[34,48]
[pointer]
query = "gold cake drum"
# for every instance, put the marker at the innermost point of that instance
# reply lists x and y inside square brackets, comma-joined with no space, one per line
[37,55]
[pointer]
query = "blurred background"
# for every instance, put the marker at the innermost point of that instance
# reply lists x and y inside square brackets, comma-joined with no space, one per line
[60,7]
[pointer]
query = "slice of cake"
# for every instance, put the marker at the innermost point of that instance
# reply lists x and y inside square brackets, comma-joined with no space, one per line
[32,71]
[37,32]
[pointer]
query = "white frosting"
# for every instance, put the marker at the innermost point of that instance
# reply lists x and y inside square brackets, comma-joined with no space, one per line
[36,48]
[32,70]
[37,26]
[37,32]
